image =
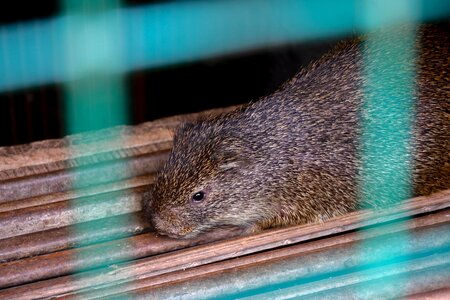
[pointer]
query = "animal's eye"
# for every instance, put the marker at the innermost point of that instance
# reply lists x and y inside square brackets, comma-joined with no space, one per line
[199,196]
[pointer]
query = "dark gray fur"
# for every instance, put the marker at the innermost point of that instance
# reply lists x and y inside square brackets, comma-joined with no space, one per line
[293,157]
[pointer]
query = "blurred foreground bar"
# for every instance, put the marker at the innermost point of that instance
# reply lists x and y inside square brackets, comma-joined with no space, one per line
[163,34]
[43,254]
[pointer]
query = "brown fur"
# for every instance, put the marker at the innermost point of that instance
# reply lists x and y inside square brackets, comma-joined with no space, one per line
[293,157]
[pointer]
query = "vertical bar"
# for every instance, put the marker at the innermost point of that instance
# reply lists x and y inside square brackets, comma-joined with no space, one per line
[387,116]
[95,96]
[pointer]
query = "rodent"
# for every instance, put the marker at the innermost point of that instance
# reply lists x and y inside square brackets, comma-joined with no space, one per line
[294,157]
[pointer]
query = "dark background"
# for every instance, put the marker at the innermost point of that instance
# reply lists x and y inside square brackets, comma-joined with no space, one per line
[37,113]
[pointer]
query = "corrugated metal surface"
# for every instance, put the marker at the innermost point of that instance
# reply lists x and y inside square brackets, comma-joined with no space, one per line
[93,242]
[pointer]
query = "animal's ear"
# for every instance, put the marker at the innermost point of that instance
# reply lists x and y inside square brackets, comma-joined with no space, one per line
[229,158]
[228,165]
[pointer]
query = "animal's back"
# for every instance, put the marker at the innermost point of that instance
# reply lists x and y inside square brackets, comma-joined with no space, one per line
[312,131]
[432,120]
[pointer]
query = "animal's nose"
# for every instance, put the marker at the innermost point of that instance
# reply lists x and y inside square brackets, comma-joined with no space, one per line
[162,226]
[170,226]
[156,221]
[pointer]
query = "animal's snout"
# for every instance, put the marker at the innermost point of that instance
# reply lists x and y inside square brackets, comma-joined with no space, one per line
[159,224]
[169,224]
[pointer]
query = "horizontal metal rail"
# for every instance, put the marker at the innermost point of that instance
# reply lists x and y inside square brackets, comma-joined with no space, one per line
[151,270]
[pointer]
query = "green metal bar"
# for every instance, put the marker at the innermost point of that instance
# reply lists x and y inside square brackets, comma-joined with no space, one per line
[177,32]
